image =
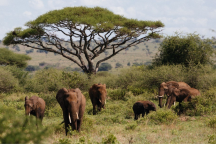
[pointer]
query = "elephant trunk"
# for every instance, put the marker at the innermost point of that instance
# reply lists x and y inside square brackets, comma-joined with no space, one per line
[74,115]
[160,96]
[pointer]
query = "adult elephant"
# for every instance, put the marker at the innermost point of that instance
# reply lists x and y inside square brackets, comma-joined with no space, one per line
[72,102]
[181,94]
[35,106]
[143,107]
[163,89]
[98,95]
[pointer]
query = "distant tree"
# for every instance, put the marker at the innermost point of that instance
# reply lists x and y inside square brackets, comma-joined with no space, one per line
[128,64]
[42,63]
[118,65]
[137,64]
[8,57]
[29,51]
[105,67]
[32,68]
[184,49]
[97,25]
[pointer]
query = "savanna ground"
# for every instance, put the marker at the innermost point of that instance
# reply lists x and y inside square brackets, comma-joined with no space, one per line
[115,124]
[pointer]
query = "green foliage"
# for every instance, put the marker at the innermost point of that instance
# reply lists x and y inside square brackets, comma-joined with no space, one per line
[212,122]
[64,141]
[52,80]
[16,129]
[185,50]
[131,126]
[197,107]
[105,67]
[8,82]
[118,65]
[110,139]
[32,68]
[8,57]
[162,116]
[212,139]
[116,94]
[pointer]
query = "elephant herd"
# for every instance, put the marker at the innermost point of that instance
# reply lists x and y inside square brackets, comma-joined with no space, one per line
[73,102]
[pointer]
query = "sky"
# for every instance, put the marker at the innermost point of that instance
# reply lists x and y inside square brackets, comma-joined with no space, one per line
[183,16]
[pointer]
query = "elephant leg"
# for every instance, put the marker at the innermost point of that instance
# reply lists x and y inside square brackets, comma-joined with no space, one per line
[135,116]
[147,112]
[66,120]
[94,109]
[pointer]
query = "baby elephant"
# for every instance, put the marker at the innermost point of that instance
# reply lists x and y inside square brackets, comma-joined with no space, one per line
[142,107]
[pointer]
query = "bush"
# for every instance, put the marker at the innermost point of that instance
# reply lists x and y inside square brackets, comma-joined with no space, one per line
[8,82]
[184,50]
[116,94]
[52,80]
[162,116]
[19,130]
[105,67]
[197,107]
[110,139]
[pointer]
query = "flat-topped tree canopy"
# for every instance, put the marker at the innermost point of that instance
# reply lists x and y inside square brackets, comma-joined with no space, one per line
[83,26]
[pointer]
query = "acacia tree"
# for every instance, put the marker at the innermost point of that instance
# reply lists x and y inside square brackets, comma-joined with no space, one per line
[8,57]
[90,32]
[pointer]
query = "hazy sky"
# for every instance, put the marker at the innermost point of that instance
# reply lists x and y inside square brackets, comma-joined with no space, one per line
[187,16]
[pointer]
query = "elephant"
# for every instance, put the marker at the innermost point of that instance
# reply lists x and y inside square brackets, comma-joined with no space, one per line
[35,106]
[182,94]
[73,103]
[163,89]
[142,107]
[98,95]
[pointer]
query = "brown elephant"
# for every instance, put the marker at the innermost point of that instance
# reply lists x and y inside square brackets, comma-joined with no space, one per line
[35,106]
[182,94]
[98,96]
[73,103]
[163,89]
[142,107]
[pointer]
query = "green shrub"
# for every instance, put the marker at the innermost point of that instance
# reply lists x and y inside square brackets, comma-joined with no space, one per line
[162,116]
[110,139]
[197,107]
[8,83]
[52,80]
[131,126]
[16,129]
[212,122]
[116,94]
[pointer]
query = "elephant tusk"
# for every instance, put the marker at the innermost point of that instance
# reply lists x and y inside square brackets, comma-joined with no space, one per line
[160,96]
[77,115]
[99,100]
[29,114]
[69,118]
[174,103]
[105,101]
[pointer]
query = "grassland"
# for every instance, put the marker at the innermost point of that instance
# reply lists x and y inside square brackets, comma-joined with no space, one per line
[116,124]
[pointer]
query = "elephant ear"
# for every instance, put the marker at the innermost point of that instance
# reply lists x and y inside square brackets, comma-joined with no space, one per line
[60,97]
[26,98]
[163,85]
[176,91]
[173,83]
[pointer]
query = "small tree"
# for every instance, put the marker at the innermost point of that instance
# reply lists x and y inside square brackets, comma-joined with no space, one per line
[103,28]
[118,65]
[8,57]
[105,67]
[181,49]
